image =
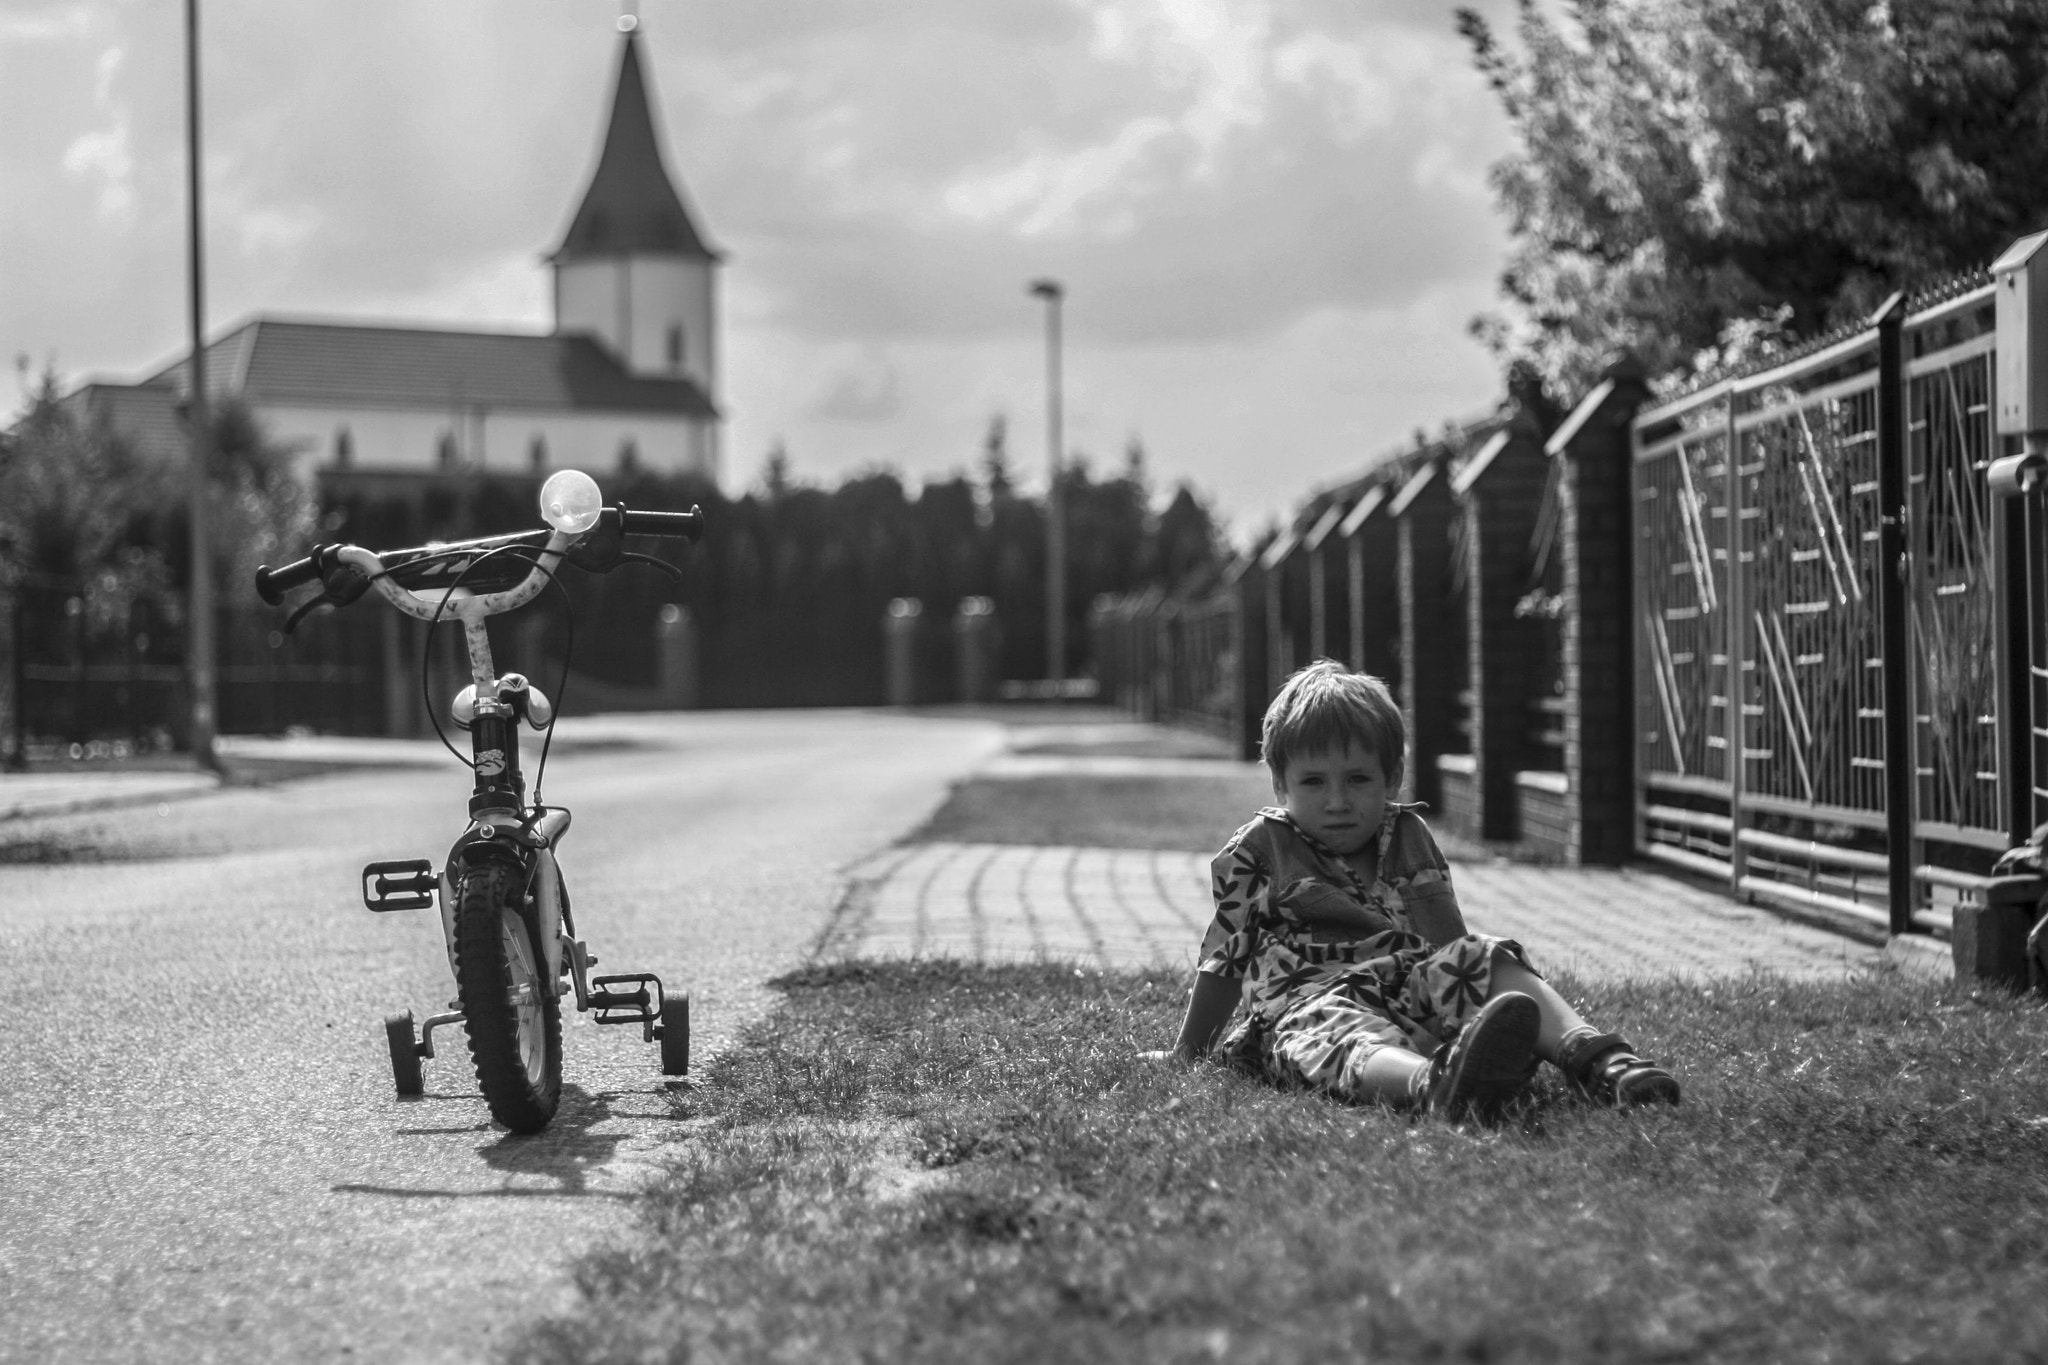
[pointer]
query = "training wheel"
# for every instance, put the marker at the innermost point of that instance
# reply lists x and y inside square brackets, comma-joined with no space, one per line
[405,1054]
[675,1035]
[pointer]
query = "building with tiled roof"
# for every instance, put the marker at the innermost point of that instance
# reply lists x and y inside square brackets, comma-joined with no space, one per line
[628,375]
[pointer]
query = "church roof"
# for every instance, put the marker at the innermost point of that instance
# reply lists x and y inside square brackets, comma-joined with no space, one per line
[284,362]
[631,206]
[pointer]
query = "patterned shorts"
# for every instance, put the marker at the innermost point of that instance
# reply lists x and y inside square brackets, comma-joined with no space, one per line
[1416,1000]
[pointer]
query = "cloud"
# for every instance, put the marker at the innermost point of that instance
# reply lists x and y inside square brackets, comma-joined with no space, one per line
[32,23]
[1209,170]
[868,390]
[103,155]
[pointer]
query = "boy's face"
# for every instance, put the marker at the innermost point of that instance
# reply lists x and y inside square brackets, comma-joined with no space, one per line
[1340,796]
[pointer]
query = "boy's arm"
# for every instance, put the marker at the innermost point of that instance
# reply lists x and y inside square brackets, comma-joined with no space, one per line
[1436,915]
[1210,1005]
[1428,897]
[1237,882]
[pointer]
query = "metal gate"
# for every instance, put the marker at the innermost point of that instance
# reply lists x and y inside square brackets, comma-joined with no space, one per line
[1815,545]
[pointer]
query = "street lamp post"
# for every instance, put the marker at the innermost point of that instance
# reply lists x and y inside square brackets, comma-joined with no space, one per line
[199,648]
[1055,496]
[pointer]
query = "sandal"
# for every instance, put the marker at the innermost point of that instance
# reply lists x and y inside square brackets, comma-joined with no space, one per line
[1481,1069]
[1605,1068]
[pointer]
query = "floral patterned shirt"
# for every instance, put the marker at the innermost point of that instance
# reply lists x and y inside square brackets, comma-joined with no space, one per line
[1293,918]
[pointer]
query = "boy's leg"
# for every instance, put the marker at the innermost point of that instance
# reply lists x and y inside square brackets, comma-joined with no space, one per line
[1560,1020]
[1392,1075]
[1604,1065]
[1337,1042]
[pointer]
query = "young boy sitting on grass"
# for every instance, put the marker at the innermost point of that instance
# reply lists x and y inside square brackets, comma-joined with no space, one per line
[1337,927]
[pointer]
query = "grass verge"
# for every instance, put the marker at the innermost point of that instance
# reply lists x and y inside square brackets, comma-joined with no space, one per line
[937,1162]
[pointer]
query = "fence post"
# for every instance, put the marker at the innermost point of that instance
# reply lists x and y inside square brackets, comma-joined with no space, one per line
[899,639]
[2021,427]
[1246,585]
[1432,653]
[675,658]
[1500,493]
[17,674]
[1900,761]
[401,679]
[974,639]
[1597,447]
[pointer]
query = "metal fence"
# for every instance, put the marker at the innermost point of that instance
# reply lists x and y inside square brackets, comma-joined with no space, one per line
[1168,658]
[1815,547]
[119,685]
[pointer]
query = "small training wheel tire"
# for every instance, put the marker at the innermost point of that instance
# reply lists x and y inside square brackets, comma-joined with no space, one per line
[675,1035]
[405,1054]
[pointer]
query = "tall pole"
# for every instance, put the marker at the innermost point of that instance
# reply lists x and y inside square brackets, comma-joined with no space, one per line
[1055,496]
[199,648]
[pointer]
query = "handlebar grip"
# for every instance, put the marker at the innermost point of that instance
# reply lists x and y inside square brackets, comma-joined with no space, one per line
[273,584]
[680,525]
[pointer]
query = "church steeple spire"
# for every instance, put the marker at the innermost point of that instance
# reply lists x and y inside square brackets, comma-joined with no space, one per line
[631,207]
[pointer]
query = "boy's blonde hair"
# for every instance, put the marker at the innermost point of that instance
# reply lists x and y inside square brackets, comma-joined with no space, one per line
[1323,707]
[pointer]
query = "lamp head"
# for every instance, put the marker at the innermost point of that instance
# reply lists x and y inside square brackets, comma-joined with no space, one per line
[570,501]
[1046,289]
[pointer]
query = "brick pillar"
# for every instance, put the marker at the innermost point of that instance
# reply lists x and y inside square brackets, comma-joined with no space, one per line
[1599,638]
[1432,635]
[1500,493]
[1246,584]
[1373,569]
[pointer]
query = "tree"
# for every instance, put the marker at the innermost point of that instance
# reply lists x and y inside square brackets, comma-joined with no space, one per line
[73,503]
[261,511]
[995,460]
[1698,180]
[775,478]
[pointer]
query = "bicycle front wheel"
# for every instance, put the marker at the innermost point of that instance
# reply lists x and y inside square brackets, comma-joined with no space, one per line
[509,1007]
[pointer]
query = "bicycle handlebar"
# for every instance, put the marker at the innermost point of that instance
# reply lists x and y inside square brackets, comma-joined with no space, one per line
[676,525]
[273,584]
[445,560]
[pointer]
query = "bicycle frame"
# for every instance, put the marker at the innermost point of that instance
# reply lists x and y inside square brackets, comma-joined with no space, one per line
[499,828]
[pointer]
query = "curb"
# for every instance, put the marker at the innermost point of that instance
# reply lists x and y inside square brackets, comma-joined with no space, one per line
[142,794]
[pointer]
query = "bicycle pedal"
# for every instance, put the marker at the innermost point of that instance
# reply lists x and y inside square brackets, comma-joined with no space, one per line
[616,1006]
[407,884]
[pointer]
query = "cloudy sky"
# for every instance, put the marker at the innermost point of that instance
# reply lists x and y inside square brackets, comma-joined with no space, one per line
[1271,216]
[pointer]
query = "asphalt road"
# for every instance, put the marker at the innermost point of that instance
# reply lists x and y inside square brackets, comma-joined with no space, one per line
[201,1157]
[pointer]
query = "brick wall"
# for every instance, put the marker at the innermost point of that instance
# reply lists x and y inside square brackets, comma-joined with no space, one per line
[1458,788]
[1546,814]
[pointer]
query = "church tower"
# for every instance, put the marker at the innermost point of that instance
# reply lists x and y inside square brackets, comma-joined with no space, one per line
[633,269]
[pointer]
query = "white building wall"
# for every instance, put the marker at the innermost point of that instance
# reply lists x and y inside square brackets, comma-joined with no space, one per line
[590,297]
[671,292]
[631,302]
[499,440]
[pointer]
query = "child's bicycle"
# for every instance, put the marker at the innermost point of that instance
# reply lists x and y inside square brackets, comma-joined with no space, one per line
[504,907]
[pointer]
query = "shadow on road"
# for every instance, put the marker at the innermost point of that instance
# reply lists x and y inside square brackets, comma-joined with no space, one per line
[558,1161]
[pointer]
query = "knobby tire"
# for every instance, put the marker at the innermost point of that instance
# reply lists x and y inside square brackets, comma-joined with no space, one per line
[509,1007]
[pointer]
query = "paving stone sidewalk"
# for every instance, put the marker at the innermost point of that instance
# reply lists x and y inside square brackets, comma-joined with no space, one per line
[1119,908]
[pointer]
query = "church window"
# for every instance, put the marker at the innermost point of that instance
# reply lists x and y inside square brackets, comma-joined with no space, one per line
[444,452]
[344,448]
[629,457]
[537,453]
[675,346]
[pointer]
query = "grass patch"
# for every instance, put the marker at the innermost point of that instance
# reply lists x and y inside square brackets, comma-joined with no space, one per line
[937,1162]
[1192,811]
